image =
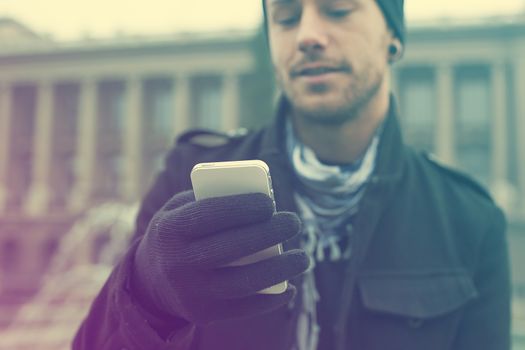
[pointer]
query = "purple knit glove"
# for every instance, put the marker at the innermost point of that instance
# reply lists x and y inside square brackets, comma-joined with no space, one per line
[180,263]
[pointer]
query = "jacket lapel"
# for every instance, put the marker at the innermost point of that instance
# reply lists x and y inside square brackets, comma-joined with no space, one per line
[378,195]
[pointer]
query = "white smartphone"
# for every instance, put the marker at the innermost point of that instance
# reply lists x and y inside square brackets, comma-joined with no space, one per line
[238,177]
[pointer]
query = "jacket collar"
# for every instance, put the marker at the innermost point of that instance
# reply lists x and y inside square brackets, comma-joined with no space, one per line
[391,151]
[274,137]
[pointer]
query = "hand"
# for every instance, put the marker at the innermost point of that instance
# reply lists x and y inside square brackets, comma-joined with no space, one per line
[181,263]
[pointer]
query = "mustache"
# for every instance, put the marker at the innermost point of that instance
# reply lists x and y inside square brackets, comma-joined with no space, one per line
[301,66]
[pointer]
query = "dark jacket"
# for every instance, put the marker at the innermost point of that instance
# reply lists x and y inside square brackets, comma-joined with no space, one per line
[429,270]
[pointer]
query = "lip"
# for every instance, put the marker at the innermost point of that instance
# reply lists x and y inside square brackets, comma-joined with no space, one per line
[318,78]
[316,73]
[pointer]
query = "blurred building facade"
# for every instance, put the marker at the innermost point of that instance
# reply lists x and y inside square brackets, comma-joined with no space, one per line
[89,122]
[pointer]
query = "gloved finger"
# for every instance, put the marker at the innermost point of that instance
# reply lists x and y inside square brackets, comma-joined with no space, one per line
[245,307]
[230,245]
[243,281]
[179,200]
[203,217]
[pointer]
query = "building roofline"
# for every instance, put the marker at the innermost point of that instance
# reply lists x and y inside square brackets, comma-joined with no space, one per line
[488,27]
[445,28]
[469,22]
[127,44]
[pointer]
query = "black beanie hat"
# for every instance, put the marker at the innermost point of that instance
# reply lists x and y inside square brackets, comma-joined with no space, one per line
[393,11]
[395,16]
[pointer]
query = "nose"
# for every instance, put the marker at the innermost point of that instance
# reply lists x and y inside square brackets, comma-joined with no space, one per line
[312,36]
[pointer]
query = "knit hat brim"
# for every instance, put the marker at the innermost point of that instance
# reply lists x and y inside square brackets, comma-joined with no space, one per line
[393,11]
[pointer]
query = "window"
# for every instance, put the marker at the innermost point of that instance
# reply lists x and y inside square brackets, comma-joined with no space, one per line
[109,146]
[158,107]
[64,143]
[21,148]
[472,124]
[158,125]
[207,102]
[111,106]
[418,106]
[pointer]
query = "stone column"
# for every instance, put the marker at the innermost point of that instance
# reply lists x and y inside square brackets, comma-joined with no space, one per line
[181,115]
[132,139]
[445,114]
[230,102]
[5,140]
[519,79]
[499,123]
[86,146]
[40,191]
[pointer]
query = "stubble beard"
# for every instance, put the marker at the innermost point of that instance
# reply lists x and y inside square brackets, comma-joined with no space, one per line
[354,99]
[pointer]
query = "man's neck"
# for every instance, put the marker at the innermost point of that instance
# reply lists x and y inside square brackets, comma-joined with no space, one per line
[344,143]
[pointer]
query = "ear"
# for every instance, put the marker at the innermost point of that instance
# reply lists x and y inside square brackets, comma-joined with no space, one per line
[395,50]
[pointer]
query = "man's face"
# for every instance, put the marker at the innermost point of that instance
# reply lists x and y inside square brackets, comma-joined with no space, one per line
[330,56]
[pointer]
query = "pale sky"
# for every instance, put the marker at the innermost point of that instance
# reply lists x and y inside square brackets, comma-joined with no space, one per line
[73,19]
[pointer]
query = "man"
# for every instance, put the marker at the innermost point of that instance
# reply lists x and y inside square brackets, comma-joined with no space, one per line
[406,254]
